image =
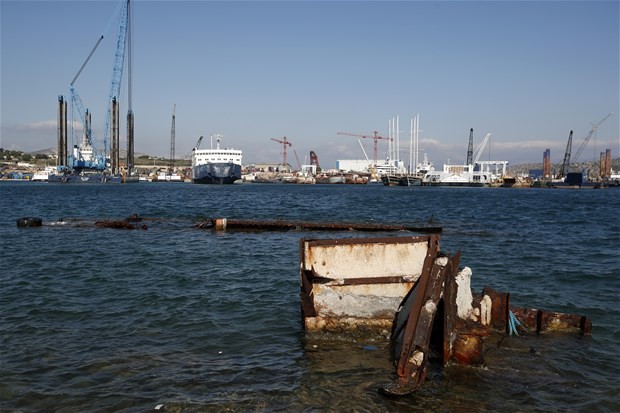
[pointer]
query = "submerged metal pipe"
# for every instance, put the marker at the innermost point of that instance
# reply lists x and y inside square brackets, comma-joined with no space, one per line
[223,224]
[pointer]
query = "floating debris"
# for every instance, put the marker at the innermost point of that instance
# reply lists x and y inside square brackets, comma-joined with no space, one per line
[118,225]
[29,222]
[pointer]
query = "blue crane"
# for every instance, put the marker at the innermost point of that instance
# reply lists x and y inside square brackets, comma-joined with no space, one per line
[98,160]
[117,70]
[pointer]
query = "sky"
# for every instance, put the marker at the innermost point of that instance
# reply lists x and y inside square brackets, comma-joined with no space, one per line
[528,72]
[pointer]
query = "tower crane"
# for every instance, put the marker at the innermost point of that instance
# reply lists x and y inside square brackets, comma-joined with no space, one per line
[375,137]
[566,161]
[588,136]
[284,143]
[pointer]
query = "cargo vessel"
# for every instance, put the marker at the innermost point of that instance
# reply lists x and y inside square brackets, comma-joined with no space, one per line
[215,165]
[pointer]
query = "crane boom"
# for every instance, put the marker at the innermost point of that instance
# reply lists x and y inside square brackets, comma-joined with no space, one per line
[588,136]
[362,146]
[480,148]
[566,161]
[198,143]
[77,101]
[86,61]
[470,147]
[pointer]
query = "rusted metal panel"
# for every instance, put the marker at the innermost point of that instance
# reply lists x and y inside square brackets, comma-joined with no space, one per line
[358,284]
[380,258]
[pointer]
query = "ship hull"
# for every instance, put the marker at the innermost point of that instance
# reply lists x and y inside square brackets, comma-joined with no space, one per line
[75,178]
[401,180]
[216,173]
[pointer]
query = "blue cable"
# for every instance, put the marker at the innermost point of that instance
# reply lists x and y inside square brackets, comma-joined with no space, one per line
[513,323]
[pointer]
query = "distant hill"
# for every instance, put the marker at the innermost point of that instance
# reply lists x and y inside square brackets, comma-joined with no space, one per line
[48,152]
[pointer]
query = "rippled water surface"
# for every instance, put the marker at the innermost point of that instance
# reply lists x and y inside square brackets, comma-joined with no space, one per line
[110,320]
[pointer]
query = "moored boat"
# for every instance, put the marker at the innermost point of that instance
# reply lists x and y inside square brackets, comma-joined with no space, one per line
[401,180]
[43,176]
[216,166]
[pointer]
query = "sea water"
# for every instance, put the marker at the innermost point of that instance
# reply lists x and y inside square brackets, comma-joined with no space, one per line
[182,319]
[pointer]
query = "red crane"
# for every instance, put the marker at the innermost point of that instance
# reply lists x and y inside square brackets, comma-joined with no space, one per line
[376,138]
[284,143]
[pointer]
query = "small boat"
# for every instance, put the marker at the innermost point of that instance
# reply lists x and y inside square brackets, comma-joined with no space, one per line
[43,176]
[168,177]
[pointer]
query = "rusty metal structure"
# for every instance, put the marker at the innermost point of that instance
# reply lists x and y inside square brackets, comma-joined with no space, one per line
[367,286]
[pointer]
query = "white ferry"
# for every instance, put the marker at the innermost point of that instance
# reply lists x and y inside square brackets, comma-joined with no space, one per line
[215,166]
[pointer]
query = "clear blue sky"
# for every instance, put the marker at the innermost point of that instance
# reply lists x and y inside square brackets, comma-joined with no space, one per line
[528,72]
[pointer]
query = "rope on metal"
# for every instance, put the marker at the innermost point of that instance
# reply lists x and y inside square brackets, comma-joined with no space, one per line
[513,323]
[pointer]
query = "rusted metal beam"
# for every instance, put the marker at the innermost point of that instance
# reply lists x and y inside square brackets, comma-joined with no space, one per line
[533,320]
[414,339]
[418,302]
[540,321]
[224,224]
[360,281]
[118,225]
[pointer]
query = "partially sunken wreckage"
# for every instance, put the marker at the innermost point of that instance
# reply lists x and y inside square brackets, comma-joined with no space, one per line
[407,290]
